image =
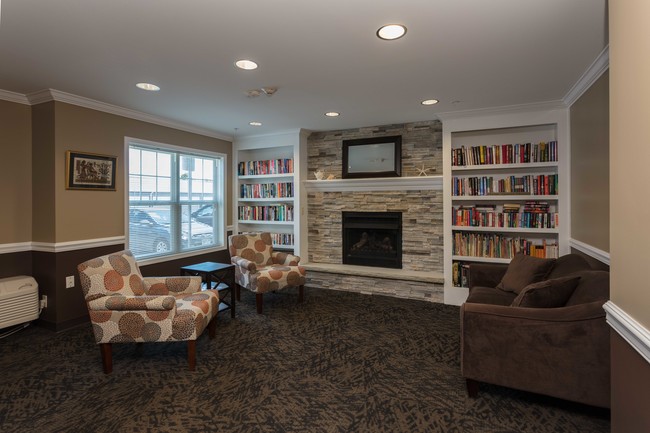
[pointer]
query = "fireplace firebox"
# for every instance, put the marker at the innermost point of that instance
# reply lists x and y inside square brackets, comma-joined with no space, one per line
[372,239]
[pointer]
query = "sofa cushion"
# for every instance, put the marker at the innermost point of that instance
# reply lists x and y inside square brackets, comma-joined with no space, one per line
[490,295]
[568,264]
[524,270]
[547,294]
[593,286]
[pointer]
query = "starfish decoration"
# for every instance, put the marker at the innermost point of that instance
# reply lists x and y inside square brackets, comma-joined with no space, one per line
[422,171]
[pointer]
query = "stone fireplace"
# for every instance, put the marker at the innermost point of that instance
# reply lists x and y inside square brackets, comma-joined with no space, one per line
[372,239]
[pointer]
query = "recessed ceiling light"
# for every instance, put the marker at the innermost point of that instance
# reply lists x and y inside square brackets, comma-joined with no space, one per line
[332,114]
[430,102]
[247,65]
[255,123]
[391,32]
[148,86]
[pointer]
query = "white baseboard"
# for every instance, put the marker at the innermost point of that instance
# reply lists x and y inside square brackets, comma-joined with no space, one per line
[632,331]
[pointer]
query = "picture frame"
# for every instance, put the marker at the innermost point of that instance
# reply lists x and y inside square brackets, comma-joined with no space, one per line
[372,157]
[90,171]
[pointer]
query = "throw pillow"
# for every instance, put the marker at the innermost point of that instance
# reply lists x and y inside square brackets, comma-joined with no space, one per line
[547,294]
[524,270]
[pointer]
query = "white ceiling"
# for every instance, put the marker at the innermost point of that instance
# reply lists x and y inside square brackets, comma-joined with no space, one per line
[322,56]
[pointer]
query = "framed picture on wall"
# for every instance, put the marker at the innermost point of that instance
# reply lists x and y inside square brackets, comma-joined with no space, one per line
[90,171]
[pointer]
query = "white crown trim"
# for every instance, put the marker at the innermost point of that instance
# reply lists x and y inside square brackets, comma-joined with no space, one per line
[632,331]
[507,109]
[594,252]
[56,95]
[593,72]
[48,247]
[376,184]
[18,98]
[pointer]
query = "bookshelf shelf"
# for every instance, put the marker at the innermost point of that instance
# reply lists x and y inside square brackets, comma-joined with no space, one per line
[505,229]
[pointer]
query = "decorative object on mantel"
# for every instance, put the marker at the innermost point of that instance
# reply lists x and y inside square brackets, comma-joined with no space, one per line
[331,177]
[90,171]
[372,157]
[423,171]
[319,174]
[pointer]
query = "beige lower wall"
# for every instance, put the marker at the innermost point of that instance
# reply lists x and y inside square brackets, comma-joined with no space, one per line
[15,173]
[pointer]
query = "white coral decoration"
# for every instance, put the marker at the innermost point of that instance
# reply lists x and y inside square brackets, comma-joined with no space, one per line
[319,174]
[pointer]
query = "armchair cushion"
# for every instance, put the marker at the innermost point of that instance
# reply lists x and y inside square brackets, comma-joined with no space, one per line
[524,270]
[547,294]
[171,285]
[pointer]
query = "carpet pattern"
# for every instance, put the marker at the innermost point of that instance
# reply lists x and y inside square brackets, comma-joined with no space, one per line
[340,362]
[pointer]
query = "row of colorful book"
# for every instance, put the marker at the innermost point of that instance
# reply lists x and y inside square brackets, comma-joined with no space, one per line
[265,213]
[543,184]
[464,216]
[283,239]
[266,190]
[520,153]
[494,245]
[272,166]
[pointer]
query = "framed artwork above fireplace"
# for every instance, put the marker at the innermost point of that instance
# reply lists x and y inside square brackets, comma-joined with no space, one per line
[372,157]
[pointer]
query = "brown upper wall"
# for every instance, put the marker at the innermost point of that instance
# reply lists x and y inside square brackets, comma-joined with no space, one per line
[81,215]
[15,173]
[590,166]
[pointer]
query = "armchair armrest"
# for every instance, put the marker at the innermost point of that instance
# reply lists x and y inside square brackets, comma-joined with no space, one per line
[132,303]
[486,274]
[282,258]
[244,264]
[171,285]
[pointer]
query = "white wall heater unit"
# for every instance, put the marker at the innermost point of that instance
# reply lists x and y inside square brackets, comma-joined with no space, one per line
[18,300]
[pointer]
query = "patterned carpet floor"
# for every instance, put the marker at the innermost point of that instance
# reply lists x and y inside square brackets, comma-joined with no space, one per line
[340,362]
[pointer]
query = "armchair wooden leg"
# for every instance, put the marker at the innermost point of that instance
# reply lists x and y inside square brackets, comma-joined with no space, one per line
[212,328]
[472,388]
[258,302]
[107,357]
[191,354]
[301,294]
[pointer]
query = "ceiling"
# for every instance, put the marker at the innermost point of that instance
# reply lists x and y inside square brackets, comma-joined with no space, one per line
[321,55]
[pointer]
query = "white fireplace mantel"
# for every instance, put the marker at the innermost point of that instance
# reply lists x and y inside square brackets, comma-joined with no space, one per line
[375,184]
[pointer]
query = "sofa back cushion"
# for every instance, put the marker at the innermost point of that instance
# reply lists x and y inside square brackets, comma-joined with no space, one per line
[524,270]
[547,293]
[593,286]
[568,264]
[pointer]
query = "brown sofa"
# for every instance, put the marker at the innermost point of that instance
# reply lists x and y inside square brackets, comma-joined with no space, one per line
[558,348]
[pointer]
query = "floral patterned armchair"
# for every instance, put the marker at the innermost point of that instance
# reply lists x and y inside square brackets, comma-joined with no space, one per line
[260,269]
[124,307]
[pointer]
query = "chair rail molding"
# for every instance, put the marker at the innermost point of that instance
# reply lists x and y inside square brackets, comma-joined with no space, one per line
[600,255]
[632,331]
[58,247]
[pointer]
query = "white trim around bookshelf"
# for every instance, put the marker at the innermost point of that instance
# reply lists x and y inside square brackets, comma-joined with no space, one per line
[632,331]
[587,249]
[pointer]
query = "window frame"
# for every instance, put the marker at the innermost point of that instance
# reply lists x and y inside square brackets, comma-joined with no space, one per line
[219,199]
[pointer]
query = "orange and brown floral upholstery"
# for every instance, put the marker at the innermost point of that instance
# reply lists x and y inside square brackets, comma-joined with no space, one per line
[126,307]
[260,269]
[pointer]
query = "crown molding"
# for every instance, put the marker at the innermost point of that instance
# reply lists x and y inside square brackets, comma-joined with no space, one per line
[593,72]
[632,331]
[506,109]
[18,98]
[49,95]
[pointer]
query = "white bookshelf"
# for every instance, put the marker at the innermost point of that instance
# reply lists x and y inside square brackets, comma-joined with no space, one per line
[289,145]
[487,129]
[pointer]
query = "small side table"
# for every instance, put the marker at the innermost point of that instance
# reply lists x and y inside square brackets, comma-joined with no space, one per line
[219,276]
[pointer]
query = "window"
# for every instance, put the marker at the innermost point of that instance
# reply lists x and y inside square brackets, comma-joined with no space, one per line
[175,200]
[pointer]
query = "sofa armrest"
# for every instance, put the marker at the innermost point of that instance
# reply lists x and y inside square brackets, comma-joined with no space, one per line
[132,303]
[561,352]
[244,264]
[486,274]
[282,258]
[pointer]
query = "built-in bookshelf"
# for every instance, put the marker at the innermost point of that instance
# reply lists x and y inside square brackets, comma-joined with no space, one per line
[268,193]
[504,194]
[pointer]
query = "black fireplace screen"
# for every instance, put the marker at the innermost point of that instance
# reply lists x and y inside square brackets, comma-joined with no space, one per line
[372,239]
